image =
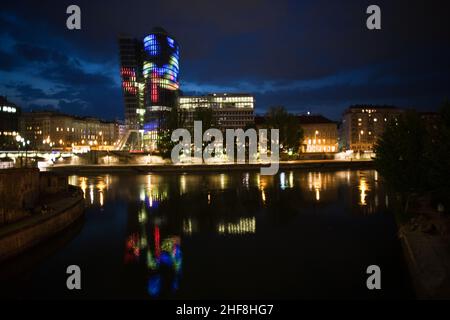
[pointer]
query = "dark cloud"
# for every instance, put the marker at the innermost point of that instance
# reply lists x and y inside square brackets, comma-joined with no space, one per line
[72,74]
[79,105]
[6,61]
[27,92]
[225,44]
[36,106]
[32,53]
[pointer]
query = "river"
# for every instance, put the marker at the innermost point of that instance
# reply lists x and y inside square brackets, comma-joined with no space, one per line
[298,234]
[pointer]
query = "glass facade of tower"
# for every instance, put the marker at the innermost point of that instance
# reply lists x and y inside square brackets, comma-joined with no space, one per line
[160,71]
[149,69]
[132,81]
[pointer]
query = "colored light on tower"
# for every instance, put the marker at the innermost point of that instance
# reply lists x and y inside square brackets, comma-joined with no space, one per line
[157,245]
[160,69]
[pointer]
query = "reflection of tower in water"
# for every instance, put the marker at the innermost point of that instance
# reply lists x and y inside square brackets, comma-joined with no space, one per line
[150,245]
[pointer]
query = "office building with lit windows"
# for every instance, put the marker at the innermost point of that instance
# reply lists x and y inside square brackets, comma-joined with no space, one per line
[132,80]
[363,125]
[229,110]
[9,123]
[161,83]
[160,70]
[149,69]
[54,130]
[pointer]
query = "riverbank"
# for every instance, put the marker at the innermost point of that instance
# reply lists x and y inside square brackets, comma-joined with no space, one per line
[201,168]
[426,245]
[58,213]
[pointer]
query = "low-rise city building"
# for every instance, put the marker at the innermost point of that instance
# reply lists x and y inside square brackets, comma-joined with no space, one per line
[52,129]
[320,135]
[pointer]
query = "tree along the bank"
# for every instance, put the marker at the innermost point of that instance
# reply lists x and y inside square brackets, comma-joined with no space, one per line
[175,119]
[291,133]
[439,156]
[413,156]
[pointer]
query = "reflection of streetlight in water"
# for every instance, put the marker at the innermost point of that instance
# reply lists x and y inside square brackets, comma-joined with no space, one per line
[182,184]
[91,193]
[363,188]
[315,183]
[101,186]
[83,186]
[262,183]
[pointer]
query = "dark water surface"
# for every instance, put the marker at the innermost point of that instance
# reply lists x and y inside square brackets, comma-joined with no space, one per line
[234,235]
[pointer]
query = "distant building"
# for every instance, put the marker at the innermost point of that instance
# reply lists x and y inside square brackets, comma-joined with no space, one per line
[320,135]
[230,111]
[51,129]
[9,123]
[363,125]
[431,120]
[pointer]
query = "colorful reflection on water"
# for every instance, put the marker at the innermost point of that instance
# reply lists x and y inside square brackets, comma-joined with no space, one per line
[160,257]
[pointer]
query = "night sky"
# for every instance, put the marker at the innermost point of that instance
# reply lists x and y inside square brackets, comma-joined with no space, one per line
[313,56]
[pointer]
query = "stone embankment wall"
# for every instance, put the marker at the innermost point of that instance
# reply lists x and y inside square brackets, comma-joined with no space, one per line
[27,233]
[19,191]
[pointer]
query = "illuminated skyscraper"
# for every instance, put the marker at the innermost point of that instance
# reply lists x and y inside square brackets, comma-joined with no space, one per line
[149,70]
[160,70]
[132,81]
